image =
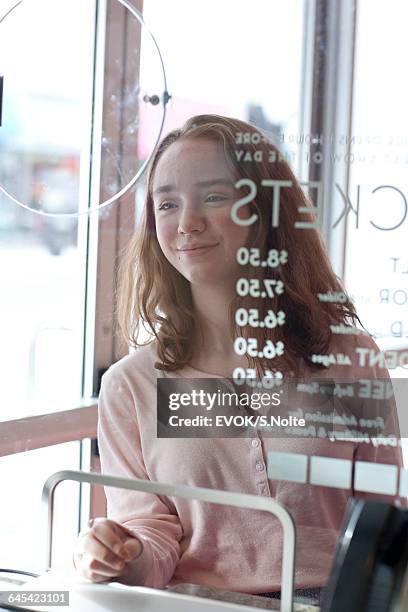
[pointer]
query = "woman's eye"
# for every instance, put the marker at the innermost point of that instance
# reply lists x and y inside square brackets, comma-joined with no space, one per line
[214,197]
[165,205]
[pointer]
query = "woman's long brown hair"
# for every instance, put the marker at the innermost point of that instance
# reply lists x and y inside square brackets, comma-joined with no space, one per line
[155,297]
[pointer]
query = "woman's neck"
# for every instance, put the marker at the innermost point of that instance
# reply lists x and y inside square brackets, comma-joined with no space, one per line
[213,340]
[211,304]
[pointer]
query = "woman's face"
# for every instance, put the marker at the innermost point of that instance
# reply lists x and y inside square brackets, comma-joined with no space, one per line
[193,192]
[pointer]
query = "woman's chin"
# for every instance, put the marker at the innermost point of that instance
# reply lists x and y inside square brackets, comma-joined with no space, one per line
[204,279]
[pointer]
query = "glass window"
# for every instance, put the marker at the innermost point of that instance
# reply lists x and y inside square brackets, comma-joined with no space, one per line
[250,63]
[23,525]
[251,69]
[376,255]
[46,58]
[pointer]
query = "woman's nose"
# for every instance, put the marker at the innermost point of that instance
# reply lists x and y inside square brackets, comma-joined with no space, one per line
[191,220]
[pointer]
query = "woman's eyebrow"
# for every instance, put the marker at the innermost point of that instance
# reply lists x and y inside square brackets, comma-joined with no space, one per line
[209,183]
[217,181]
[164,189]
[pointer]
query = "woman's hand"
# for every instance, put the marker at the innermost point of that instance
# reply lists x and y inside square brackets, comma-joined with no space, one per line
[103,552]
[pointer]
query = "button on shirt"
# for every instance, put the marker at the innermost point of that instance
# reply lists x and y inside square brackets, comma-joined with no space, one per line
[201,543]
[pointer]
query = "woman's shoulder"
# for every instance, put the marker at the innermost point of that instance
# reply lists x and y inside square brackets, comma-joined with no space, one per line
[137,366]
[352,354]
[354,342]
[366,357]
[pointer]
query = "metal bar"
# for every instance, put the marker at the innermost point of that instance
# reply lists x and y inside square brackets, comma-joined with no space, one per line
[227,498]
[331,115]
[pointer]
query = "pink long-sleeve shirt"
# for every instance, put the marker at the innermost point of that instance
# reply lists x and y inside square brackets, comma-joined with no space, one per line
[209,544]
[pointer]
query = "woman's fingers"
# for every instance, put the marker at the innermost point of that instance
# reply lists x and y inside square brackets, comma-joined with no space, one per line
[103,550]
[120,540]
[133,548]
[125,544]
[93,547]
[95,570]
[111,535]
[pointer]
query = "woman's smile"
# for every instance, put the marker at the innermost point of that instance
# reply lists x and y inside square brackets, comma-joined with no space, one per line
[196,251]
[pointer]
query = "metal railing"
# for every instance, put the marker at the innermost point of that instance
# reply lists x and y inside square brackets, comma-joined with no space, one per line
[227,498]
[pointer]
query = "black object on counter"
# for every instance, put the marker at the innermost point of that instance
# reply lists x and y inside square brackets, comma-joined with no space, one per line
[368,572]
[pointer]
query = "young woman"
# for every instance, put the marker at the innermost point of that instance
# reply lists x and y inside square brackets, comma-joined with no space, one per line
[226,228]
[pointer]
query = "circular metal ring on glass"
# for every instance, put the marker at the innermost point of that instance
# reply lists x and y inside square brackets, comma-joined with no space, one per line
[153,100]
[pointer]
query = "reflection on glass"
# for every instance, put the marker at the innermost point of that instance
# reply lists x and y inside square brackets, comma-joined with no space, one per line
[46,106]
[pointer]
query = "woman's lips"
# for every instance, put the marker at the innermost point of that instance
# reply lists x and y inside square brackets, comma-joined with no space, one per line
[197,251]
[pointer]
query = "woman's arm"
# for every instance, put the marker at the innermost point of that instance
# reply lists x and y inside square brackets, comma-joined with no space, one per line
[148,516]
